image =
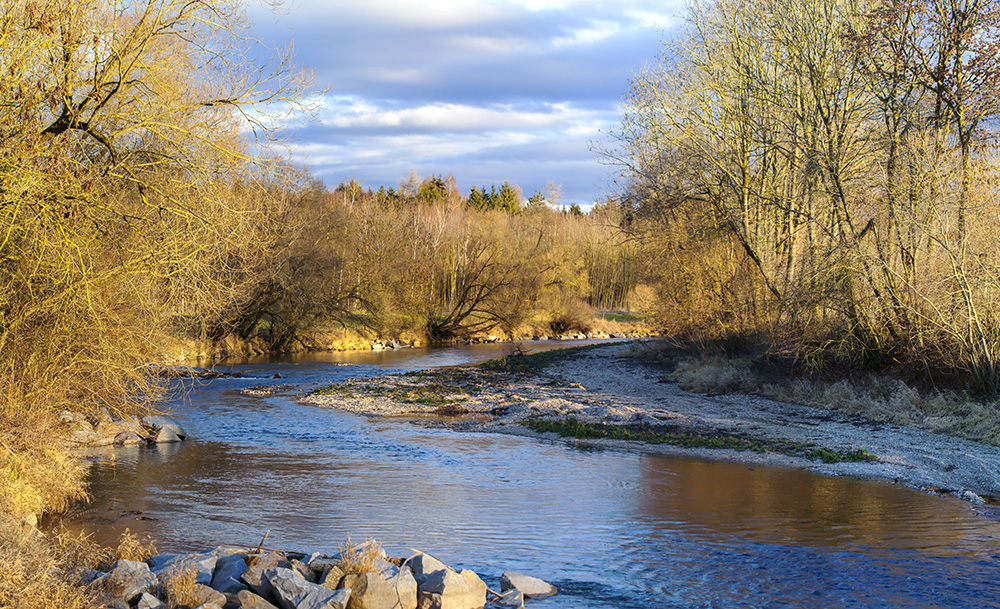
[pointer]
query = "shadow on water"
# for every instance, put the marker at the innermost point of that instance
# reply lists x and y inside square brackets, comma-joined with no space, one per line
[610,528]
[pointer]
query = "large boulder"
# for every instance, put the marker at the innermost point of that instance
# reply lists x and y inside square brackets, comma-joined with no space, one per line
[376,591]
[159,423]
[450,589]
[228,570]
[166,435]
[292,591]
[205,595]
[423,565]
[129,579]
[532,587]
[253,576]
[203,564]
[148,601]
[249,600]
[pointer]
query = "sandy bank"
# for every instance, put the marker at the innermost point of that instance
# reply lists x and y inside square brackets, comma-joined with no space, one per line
[607,385]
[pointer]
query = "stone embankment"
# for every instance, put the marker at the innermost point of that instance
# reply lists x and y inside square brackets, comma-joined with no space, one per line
[362,577]
[105,429]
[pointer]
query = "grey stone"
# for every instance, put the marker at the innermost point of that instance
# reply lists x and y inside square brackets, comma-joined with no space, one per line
[304,570]
[166,435]
[129,438]
[249,600]
[209,606]
[69,417]
[449,589]
[292,591]
[321,562]
[84,436]
[204,565]
[252,577]
[532,587]
[130,579]
[226,577]
[160,422]
[117,427]
[148,601]
[423,565]
[511,598]
[324,598]
[331,579]
[84,575]
[373,591]
[158,561]
[204,595]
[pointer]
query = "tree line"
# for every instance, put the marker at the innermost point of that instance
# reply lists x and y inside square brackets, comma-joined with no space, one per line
[823,173]
[424,262]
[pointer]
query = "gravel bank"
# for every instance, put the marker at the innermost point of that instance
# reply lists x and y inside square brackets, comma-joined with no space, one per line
[606,385]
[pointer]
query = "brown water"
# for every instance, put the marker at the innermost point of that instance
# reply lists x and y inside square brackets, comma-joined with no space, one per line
[610,528]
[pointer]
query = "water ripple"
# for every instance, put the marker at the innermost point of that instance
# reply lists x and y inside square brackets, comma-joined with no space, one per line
[611,529]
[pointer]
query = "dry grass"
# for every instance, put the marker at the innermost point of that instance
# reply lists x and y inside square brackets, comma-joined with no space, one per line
[37,572]
[178,585]
[130,547]
[37,474]
[877,397]
[362,558]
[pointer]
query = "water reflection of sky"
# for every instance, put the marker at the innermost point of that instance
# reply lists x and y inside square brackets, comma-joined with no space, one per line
[612,529]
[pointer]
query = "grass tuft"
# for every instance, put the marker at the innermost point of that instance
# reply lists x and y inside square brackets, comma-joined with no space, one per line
[362,558]
[178,585]
[130,547]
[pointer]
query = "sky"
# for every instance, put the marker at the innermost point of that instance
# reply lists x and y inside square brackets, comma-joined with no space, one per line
[485,90]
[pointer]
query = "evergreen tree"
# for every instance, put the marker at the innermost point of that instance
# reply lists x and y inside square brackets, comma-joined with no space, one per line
[508,199]
[478,199]
[432,190]
[536,202]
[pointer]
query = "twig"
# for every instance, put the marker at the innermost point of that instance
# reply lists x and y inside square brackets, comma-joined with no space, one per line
[261,545]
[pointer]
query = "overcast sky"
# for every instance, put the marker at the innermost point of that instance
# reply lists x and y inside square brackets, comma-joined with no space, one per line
[487,90]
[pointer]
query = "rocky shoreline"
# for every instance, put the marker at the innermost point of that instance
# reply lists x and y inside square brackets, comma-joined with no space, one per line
[359,577]
[106,429]
[608,388]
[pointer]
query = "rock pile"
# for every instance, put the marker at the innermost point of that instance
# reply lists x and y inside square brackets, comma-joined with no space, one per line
[234,578]
[105,429]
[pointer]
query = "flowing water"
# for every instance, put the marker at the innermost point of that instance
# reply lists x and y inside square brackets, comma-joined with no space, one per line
[609,528]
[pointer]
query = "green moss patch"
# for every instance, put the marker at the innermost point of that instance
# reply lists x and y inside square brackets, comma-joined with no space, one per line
[686,438]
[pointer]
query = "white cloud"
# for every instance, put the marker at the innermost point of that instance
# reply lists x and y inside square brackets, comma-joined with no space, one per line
[489,90]
[653,19]
[591,35]
[353,113]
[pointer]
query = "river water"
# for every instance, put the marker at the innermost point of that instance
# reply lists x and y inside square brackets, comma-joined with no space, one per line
[610,528]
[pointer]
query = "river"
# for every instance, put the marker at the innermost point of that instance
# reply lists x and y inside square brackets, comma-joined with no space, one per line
[611,529]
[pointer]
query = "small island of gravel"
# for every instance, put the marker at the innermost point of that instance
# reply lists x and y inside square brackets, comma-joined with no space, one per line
[606,395]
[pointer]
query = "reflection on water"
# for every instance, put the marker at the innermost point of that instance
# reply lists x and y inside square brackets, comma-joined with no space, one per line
[611,529]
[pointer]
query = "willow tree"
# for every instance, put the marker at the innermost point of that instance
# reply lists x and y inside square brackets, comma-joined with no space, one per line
[123,156]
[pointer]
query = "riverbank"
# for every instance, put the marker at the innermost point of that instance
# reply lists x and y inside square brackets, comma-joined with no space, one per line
[590,327]
[606,388]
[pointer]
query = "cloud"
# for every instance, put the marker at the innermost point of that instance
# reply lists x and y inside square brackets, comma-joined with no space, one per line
[351,113]
[488,90]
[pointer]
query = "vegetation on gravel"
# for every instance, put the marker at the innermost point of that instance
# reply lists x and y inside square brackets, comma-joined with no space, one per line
[570,427]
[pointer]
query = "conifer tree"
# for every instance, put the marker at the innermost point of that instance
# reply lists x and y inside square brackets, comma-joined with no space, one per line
[478,199]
